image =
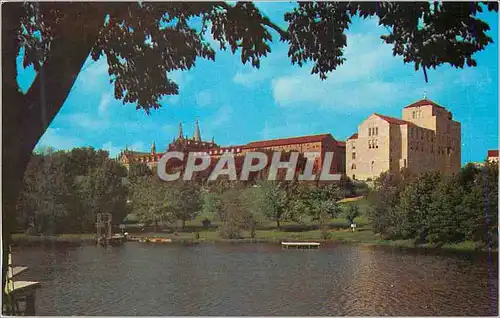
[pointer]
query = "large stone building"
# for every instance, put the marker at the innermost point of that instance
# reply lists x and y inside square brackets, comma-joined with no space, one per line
[426,138]
[314,143]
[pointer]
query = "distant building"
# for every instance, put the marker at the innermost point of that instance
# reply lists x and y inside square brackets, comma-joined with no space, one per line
[427,138]
[314,143]
[492,155]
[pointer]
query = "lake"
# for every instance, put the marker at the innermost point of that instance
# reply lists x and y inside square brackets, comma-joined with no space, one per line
[258,279]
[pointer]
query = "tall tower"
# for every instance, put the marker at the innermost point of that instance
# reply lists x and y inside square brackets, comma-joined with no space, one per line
[197,135]
[180,136]
[153,148]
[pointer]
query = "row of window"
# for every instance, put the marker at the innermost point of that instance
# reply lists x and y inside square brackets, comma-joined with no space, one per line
[416,132]
[416,114]
[373,131]
[372,144]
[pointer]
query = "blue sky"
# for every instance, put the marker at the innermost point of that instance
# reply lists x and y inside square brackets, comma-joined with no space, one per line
[237,104]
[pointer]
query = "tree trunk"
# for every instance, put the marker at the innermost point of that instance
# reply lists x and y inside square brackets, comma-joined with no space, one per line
[27,116]
[278,224]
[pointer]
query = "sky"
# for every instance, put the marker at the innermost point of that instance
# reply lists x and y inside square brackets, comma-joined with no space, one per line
[236,103]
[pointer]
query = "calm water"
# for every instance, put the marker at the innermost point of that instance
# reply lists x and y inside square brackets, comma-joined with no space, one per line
[234,279]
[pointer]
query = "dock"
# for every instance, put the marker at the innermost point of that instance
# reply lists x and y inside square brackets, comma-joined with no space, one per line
[21,293]
[299,245]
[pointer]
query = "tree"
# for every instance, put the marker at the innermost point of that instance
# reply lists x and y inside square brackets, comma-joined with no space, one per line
[102,191]
[319,203]
[138,169]
[232,214]
[416,206]
[143,42]
[351,213]
[383,215]
[184,201]
[275,200]
[150,200]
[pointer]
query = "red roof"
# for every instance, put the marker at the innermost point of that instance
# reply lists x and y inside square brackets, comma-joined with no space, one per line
[423,102]
[287,141]
[340,143]
[354,136]
[393,120]
[493,153]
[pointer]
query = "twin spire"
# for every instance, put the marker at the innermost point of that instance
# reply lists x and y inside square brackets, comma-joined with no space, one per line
[197,134]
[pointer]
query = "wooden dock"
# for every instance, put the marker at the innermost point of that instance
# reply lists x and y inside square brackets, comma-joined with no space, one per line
[21,293]
[300,245]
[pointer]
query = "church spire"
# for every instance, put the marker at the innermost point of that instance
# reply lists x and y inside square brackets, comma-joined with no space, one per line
[197,135]
[180,131]
[153,148]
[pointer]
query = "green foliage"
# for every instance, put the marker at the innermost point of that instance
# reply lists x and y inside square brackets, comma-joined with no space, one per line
[149,200]
[351,213]
[439,209]
[144,42]
[275,200]
[64,190]
[156,201]
[138,169]
[184,201]
[318,200]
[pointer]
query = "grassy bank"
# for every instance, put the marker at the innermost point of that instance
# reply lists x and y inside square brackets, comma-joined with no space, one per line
[363,236]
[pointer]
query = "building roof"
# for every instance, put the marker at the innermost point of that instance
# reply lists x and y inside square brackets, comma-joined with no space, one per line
[287,141]
[353,136]
[340,143]
[393,120]
[424,102]
[493,153]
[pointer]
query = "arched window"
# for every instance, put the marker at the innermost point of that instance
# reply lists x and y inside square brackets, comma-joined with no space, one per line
[372,166]
[353,166]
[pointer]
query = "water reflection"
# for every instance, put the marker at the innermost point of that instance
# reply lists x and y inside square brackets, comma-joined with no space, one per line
[138,279]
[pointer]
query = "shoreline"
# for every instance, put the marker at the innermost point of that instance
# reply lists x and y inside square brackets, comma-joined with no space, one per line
[21,240]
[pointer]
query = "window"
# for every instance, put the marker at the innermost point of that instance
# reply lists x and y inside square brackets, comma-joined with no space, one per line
[422,134]
[369,131]
[369,144]
[353,177]
[353,155]
[404,163]
[353,145]
[353,167]
[372,166]
[376,131]
[413,114]
[376,143]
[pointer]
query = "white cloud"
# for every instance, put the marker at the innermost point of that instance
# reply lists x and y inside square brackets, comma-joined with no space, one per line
[55,138]
[362,82]
[86,121]
[93,75]
[106,99]
[250,78]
